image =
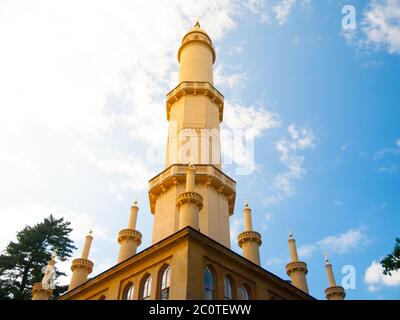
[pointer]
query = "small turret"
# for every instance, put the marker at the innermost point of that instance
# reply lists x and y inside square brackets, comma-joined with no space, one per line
[82,266]
[296,270]
[249,240]
[43,290]
[189,202]
[333,292]
[129,239]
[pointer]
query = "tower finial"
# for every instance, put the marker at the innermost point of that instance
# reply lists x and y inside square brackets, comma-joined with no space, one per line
[135,202]
[326,257]
[54,255]
[290,234]
[246,203]
[197,24]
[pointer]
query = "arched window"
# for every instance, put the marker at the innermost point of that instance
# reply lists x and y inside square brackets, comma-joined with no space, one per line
[228,295]
[146,289]
[244,292]
[165,280]
[209,284]
[129,291]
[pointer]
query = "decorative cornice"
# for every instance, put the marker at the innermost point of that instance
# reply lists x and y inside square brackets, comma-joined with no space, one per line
[335,291]
[80,263]
[132,234]
[196,35]
[196,88]
[189,197]
[296,266]
[38,288]
[249,236]
[185,234]
[208,175]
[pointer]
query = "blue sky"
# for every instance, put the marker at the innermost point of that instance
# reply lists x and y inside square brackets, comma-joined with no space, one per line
[83,103]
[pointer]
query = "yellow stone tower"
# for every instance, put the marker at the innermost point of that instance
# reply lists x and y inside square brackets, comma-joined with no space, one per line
[333,292]
[194,111]
[296,270]
[192,201]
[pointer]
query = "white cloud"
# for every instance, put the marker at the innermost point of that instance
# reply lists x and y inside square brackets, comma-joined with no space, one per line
[231,81]
[21,216]
[282,10]
[235,229]
[343,243]
[237,49]
[380,25]
[83,89]
[299,140]
[379,30]
[242,124]
[375,278]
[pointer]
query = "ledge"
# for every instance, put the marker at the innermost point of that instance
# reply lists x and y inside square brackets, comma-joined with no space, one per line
[335,291]
[130,234]
[249,236]
[296,266]
[82,264]
[196,88]
[205,174]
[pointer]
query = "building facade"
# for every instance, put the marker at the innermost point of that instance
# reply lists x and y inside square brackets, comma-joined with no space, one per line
[191,200]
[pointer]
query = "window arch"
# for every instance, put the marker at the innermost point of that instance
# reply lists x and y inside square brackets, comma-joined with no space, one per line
[146,288]
[228,292]
[245,293]
[209,284]
[128,291]
[165,283]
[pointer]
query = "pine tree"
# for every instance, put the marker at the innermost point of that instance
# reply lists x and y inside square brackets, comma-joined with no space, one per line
[392,261]
[22,261]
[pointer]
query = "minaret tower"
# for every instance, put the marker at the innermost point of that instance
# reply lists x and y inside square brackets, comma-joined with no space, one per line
[189,202]
[129,239]
[249,240]
[296,270]
[82,267]
[195,112]
[43,290]
[333,292]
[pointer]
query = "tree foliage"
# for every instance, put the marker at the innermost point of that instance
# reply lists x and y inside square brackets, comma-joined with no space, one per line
[22,261]
[392,261]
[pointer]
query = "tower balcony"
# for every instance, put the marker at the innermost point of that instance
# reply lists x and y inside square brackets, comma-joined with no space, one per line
[196,88]
[206,175]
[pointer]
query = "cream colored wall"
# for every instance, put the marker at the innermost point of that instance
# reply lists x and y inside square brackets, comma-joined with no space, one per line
[194,113]
[196,63]
[166,215]
[214,217]
[188,254]
[113,285]
[299,280]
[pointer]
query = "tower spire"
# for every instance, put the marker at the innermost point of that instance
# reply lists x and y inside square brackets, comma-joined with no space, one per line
[296,270]
[189,202]
[129,239]
[249,240]
[333,292]
[82,267]
[195,111]
[43,290]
